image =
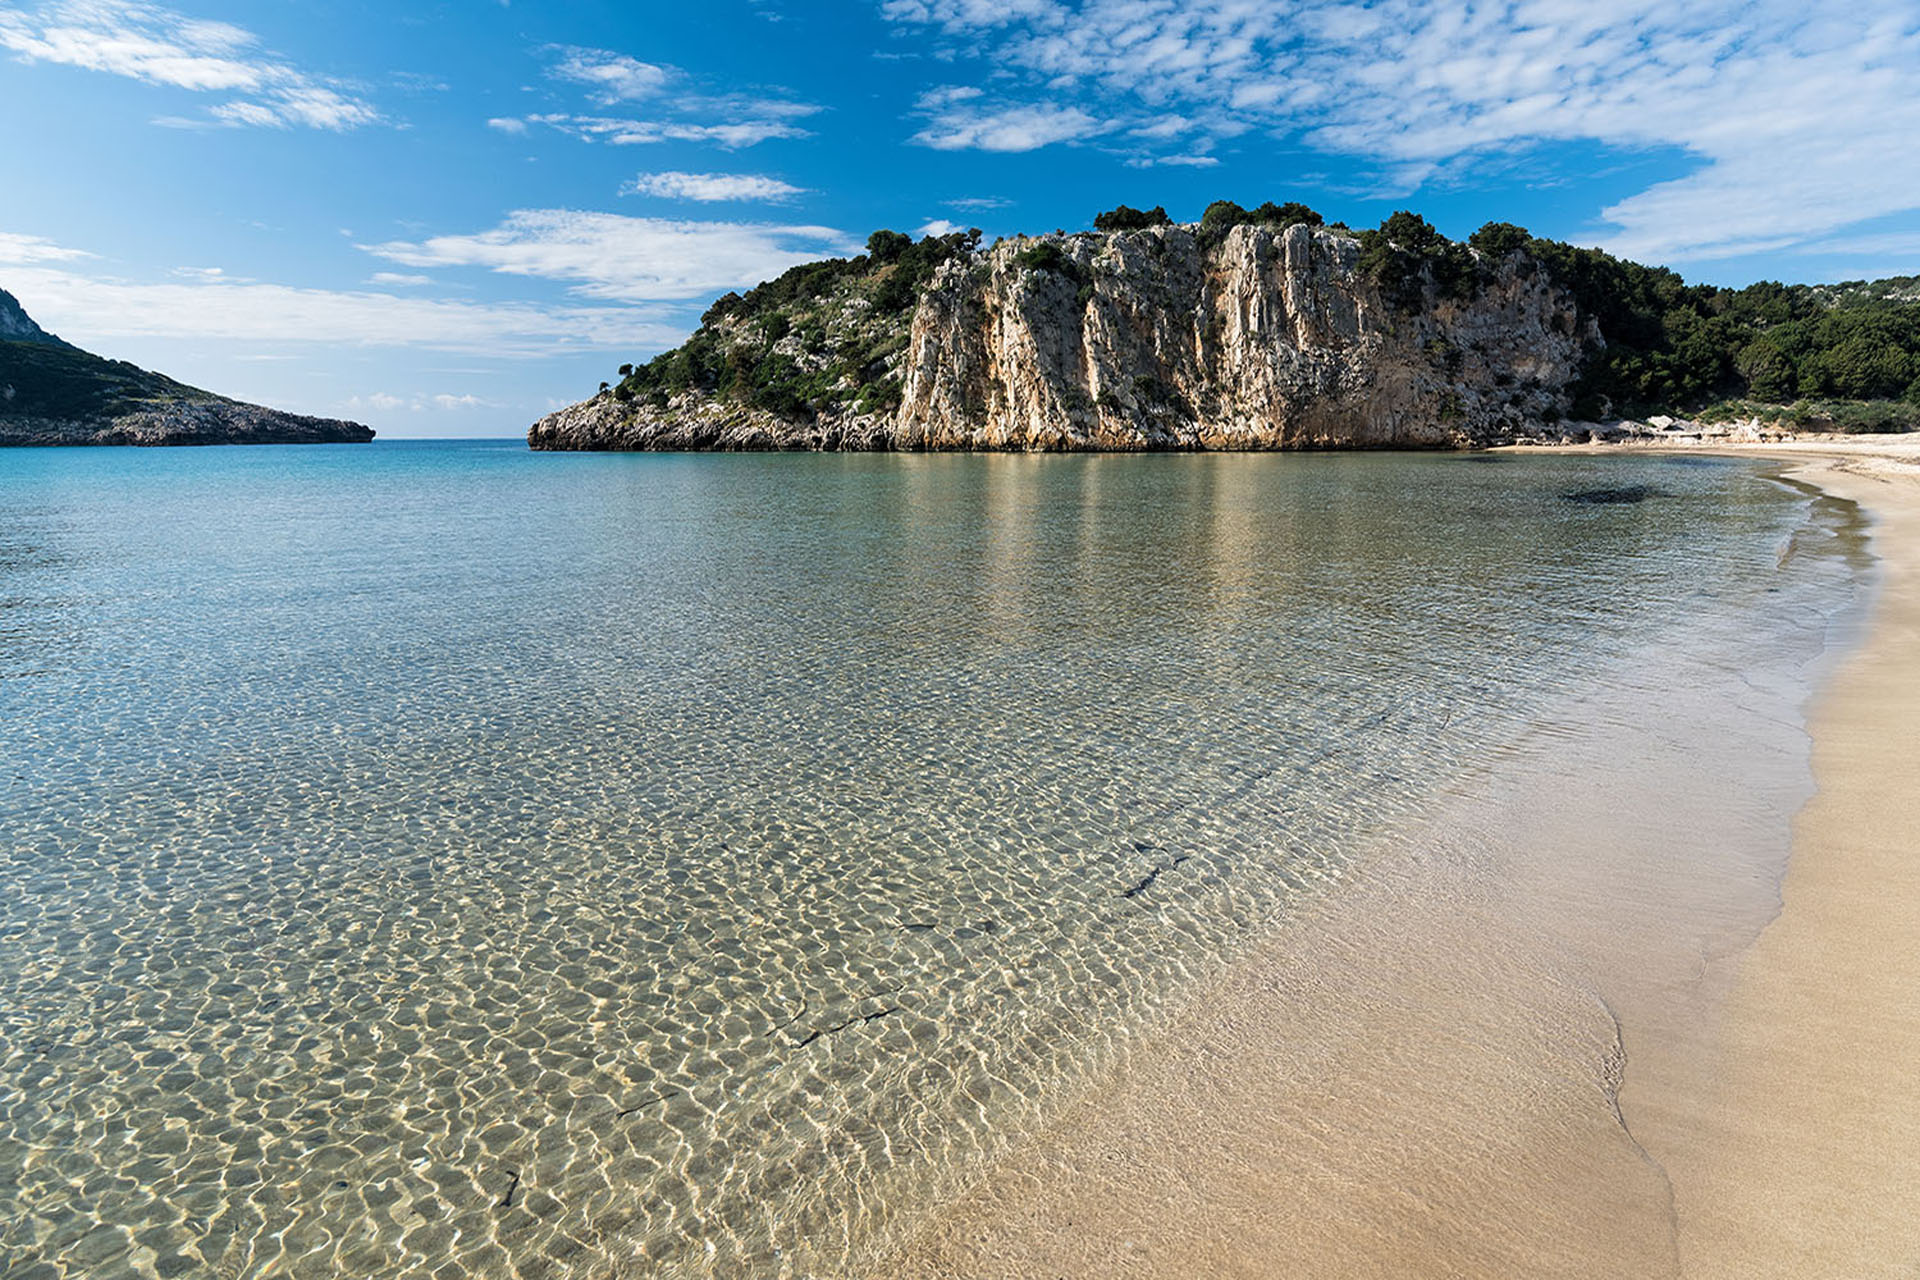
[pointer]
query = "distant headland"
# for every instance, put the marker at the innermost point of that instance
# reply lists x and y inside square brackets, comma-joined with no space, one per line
[53,393]
[1259,328]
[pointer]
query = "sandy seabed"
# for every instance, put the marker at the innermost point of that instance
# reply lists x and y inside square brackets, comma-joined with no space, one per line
[1579,1023]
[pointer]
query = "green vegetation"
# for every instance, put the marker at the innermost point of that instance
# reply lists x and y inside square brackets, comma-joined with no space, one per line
[66,383]
[1125,218]
[1498,239]
[1222,216]
[826,335]
[1851,416]
[816,337]
[1405,252]
[1043,255]
[1671,345]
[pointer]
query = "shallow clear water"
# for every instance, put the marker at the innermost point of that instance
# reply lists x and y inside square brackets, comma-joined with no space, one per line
[445,859]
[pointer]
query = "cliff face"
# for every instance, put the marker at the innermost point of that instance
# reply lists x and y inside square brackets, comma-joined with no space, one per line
[1156,339]
[52,393]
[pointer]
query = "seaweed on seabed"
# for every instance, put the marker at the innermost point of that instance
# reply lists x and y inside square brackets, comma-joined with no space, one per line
[1610,496]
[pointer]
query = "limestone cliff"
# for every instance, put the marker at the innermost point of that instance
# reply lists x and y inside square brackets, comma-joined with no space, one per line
[1157,338]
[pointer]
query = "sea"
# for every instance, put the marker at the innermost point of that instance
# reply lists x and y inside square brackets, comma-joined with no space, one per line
[434,859]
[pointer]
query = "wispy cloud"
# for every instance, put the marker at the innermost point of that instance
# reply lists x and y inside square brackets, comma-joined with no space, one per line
[416,402]
[611,77]
[1896,244]
[86,309]
[730,119]
[209,275]
[1801,120]
[19,251]
[1180,162]
[960,118]
[729,136]
[607,256]
[158,46]
[711,187]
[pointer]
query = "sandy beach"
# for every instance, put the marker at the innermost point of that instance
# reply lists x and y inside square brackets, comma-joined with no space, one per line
[1621,1034]
[1803,1158]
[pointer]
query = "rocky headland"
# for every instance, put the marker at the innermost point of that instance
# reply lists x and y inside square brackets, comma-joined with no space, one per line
[1255,329]
[53,393]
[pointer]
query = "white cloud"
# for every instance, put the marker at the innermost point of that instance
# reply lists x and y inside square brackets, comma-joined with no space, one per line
[612,77]
[1892,244]
[87,310]
[247,113]
[1799,119]
[625,133]
[730,120]
[417,402]
[710,187]
[20,251]
[967,14]
[940,227]
[399,280]
[1186,162]
[319,107]
[957,120]
[604,255]
[158,46]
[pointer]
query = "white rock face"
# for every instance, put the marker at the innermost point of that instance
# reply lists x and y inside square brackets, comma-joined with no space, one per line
[1152,340]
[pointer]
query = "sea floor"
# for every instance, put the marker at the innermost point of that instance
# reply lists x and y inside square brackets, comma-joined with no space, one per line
[450,860]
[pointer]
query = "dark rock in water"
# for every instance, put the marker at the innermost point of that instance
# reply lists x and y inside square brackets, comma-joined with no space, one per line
[1608,497]
[53,393]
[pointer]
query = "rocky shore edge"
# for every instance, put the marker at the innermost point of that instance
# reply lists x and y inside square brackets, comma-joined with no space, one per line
[204,423]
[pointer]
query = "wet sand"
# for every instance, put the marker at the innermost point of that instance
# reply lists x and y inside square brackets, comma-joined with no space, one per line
[1600,1036]
[1805,1158]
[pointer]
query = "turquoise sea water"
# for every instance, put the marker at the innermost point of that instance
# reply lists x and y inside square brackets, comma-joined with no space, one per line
[450,860]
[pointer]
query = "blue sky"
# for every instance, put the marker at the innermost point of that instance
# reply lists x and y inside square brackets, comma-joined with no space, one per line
[446,219]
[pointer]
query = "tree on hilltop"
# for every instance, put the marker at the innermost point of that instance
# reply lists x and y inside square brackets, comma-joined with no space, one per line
[1125,218]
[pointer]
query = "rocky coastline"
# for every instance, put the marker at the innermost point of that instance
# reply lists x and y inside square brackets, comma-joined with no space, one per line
[53,393]
[1155,339]
[203,423]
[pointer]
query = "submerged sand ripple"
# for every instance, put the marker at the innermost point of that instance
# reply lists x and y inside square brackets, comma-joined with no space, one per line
[432,867]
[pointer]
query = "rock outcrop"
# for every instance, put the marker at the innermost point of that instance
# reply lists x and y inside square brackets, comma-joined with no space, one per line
[1151,339]
[17,326]
[53,393]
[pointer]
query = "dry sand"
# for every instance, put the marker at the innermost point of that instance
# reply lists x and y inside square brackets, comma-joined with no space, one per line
[1575,1039]
[1803,1159]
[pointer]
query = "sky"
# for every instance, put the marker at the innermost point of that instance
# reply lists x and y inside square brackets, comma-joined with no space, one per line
[449,219]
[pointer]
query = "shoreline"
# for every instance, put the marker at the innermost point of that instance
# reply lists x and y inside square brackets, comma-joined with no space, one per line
[1549,1063]
[1806,1160]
